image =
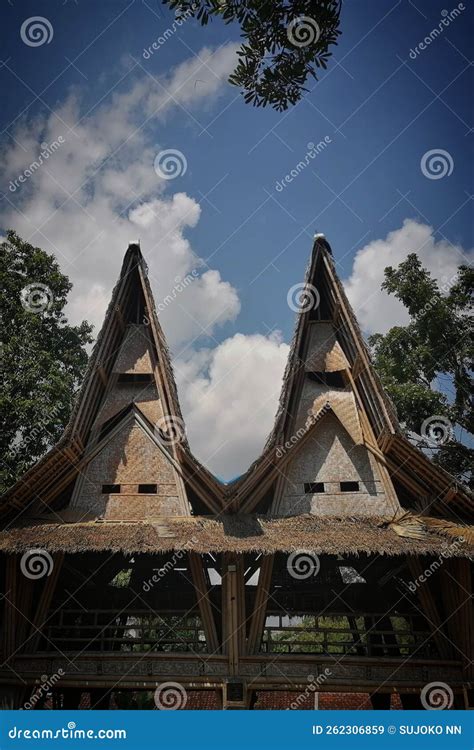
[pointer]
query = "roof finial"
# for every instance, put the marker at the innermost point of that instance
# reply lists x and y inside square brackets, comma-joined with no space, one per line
[321,238]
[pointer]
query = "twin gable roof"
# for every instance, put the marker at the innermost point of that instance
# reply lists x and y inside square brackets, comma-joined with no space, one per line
[369,417]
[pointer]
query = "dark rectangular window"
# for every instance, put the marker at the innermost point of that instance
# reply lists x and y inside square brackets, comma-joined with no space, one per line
[332,379]
[311,488]
[147,489]
[111,489]
[235,691]
[135,377]
[349,486]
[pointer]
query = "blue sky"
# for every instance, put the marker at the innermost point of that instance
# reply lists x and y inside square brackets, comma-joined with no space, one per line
[379,109]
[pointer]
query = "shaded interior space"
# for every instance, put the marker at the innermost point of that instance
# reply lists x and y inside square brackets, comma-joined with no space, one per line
[124,604]
[349,606]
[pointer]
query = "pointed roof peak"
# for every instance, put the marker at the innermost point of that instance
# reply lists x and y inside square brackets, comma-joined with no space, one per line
[320,241]
[133,252]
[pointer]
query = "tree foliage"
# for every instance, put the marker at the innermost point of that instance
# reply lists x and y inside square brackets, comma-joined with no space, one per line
[285,42]
[426,366]
[43,358]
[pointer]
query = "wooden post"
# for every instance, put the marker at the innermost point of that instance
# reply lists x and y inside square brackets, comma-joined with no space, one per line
[230,608]
[10,610]
[430,609]
[41,615]
[456,588]
[196,563]
[260,609]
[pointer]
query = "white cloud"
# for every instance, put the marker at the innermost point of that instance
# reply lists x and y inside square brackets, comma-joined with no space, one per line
[229,398]
[99,190]
[378,311]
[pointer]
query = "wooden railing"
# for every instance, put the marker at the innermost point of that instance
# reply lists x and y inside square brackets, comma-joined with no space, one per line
[374,636]
[108,630]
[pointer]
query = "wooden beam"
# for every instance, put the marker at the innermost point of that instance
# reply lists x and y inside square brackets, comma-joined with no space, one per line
[430,610]
[357,367]
[456,590]
[10,608]
[230,610]
[196,563]
[103,375]
[41,614]
[260,608]
[241,605]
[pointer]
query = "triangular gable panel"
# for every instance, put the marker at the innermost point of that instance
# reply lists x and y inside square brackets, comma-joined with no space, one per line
[324,352]
[129,478]
[131,342]
[135,353]
[328,474]
[133,378]
[328,340]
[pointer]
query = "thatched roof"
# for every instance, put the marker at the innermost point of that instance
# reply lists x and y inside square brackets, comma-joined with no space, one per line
[236,533]
[55,471]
